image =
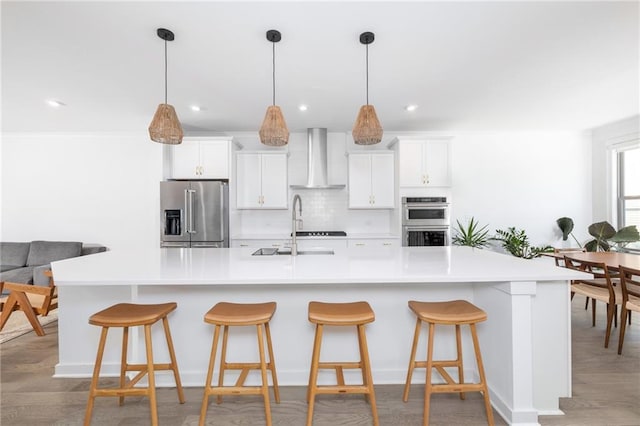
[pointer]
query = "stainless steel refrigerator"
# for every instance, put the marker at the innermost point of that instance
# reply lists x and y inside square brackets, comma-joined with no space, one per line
[194,214]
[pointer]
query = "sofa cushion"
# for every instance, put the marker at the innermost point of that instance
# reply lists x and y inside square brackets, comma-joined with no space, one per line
[18,275]
[14,254]
[43,252]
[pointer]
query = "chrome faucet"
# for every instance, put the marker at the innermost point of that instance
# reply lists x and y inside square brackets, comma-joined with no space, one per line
[294,227]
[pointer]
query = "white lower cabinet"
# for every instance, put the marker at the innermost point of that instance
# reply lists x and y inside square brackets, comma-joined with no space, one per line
[374,242]
[371,181]
[303,243]
[260,243]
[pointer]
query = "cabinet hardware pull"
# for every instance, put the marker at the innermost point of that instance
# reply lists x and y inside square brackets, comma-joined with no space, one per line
[359,244]
[386,244]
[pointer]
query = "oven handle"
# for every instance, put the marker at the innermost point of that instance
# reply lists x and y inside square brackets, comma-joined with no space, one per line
[426,206]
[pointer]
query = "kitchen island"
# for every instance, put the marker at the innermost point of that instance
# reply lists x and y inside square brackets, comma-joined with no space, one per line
[526,341]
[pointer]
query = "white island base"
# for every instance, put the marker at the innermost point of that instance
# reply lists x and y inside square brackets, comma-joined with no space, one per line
[525,342]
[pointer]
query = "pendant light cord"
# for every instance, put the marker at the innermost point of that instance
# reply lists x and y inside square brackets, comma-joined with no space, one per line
[165,71]
[273,55]
[367,74]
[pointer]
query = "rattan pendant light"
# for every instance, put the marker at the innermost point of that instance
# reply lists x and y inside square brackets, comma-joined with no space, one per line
[165,126]
[274,131]
[367,129]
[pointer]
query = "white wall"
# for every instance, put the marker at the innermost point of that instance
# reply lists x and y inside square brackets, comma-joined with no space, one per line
[104,188]
[90,188]
[604,136]
[526,180]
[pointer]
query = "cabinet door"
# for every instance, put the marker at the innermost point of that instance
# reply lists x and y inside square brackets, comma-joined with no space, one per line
[412,164]
[186,163]
[360,195]
[274,181]
[382,181]
[437,163]
[375,242]
[248,188]
[214,159]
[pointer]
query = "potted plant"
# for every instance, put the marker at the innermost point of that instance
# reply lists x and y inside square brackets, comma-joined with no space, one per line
[605,236]
[566,226]
[471,235]
[516,242]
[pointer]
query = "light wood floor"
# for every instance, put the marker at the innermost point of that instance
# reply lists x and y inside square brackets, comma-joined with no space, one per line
[606,389]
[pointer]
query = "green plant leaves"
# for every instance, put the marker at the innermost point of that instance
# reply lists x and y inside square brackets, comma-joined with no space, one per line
[516,242]
[628,234]
[604,234]
[471,235]
[566,226]
[602,230]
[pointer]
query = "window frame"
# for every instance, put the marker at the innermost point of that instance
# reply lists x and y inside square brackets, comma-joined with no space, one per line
[616,152]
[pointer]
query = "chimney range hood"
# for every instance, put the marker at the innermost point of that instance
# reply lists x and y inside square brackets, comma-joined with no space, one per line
[317,176]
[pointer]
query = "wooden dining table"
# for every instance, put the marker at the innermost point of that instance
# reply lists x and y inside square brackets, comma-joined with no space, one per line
[612,259]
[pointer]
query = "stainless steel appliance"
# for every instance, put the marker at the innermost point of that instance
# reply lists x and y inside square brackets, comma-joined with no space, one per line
[432,211]
[194,214]
[425,221]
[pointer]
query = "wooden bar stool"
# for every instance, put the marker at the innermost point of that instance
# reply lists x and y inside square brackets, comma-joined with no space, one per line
[341,314]
[226,314]
[132,315]
[457,312]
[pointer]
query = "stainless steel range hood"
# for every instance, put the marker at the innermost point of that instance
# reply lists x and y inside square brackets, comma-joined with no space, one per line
[317,176]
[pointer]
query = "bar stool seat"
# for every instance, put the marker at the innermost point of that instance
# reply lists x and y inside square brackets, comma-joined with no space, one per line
[341,314]
[127,315]
[131,315]
[226,314]
[456,312]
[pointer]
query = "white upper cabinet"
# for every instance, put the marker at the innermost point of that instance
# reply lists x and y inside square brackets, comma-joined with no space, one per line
[261,180]
[201,158]
[425,163]
[371,181]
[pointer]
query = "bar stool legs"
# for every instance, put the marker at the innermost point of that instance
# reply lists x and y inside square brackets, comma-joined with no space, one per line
[456,313]
[126,315]
[358,314]
[224,315]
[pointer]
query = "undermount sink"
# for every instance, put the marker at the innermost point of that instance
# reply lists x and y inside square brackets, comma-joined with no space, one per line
[274,251]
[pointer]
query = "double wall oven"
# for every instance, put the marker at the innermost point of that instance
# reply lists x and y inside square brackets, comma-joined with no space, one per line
[425,221]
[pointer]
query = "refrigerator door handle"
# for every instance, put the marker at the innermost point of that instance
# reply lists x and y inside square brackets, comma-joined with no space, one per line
[189,203]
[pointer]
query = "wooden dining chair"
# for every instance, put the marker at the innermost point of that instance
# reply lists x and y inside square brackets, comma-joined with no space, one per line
[33,300]
[560,262]
[601,287]
[630,286]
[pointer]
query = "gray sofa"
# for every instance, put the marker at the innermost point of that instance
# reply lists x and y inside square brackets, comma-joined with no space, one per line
[26,262]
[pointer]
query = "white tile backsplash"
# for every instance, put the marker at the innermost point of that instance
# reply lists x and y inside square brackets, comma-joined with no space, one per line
[323,209]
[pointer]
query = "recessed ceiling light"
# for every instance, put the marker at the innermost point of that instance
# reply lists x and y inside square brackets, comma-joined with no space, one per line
[411,107]
[54,103]
[302,107]
[196,108]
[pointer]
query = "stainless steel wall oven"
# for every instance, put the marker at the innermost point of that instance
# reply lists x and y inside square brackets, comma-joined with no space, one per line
[425,221]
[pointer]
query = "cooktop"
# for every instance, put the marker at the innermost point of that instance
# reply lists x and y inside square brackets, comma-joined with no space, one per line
[321,234]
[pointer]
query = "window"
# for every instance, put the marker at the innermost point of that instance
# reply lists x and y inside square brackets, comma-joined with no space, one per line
[628,198]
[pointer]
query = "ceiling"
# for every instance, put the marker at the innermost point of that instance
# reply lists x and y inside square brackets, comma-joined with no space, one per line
[474,66]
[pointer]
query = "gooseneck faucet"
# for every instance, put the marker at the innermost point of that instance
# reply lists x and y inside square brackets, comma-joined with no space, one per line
[294,227]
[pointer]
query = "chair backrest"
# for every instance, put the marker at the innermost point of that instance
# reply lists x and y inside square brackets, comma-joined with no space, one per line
[598,269]
[567,250]
[629,283]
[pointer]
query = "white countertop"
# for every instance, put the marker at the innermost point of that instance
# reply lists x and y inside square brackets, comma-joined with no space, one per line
[236,266]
